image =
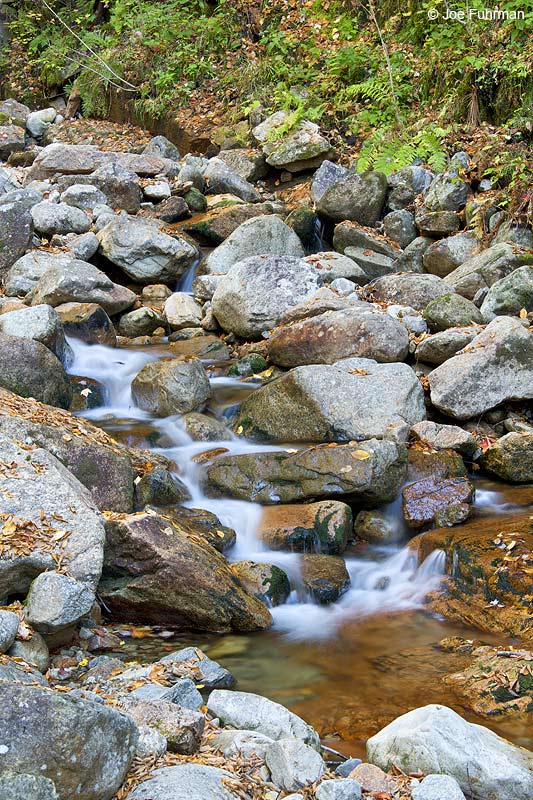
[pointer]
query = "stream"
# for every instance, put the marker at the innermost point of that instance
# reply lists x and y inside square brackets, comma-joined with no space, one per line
[348,668]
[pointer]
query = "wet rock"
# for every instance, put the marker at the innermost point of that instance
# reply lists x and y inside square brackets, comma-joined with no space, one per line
[26,787]
[204,523]
[327,175]
[144,252]
[425,500]
[41,324]
[483,270]
[267,582]
[193,781]
[347,789]
[16,231]
[372,779]
[436,787]
[377,527]
[509,295]
[484,765]
[343,334]
[314,527]
[510,458]
[217,225]
[295,151]
[439,347]
[168,576]
[181,727]
[267,234]
[30,369]
[141,322]
[446,255]
[222,179]
[9,623]
[450,311]
[254,295]
[502,354]
[171,387]
[158,487]
[422,464]
[84,748]
[56,601]
[51,218]
[293,764]
[324,577]
[251,712]
[182,311]
[358,198]
[196,343]
[321,471]
[202,428]
[444,437]
[351,400]
[408,289]
[88,322]
[78,281]
[192,661]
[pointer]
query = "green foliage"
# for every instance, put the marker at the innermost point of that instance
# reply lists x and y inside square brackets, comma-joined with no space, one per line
[386,151]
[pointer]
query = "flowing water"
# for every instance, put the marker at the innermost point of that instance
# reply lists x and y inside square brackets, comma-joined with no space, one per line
[348,668]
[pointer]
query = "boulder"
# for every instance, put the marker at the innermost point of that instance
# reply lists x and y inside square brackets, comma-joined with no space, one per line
[327,175]
[26,787]
[292,150]
[325,578]
[12,140]
[155,571]
[400,227]
[83,245]
[293,764]
[434,501]
[359,198]
[141,322]
[360,332]
[193,781]
[173,209]
[183,693]
[437,223]
[25,273]
[439,347]
[38,122]
[144,252]
[161,147]
[182,311]
[181,727]
[265,235]
[9,623]
[42,324]
[509,295]
[249,164]
[446,255]
[377,527]
[159,487]
[253,296]
[510,458]
[323,527]
[446,193]
[336,403]
[265,581]
[82,159]
[222,179]
[29,369]
[56,601]
[451,311]
[88,322]
[218,224]
[16,231]
[84,196]
[434,737]
[49,519]
[51,218]
[84,748]
[437,436]
[120,185]
[251,712]
[171,386]
[497,366]
[203,428]
[334,265]
[14,112]
[412,258]
[483,270]
[436,787]
[408,289]
[351,234]
[373,265]
[78,281]
[321,471]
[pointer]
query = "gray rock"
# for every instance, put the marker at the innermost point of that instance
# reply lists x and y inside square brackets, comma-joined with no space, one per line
[513,232]
[251,712]
[30,369]
[24,198]
[83,196]
[32,651]
[38,122]
[181,727]
[439,347]
[191,173]
[38,487]
[333,266]
[50,218]
[331,403]
[9,623]
[26,271]
[451,311]
[56,601]
[253,296]
[249,164]
[77,159]
[304,148]
[8,182]
[445,437]
[412,258]
[141,322]
[434,737]
[327,175]
[42,324]
[258,236]
[156,192]
[120,185]
[509,295]
[293,764]
[246,743]
[144,252]
[359,198]
[221,179]
[15,672]
[171,387]
[351,234]
[182,311]
[344,769]
[373,265]
[202,428]
[486,268]
[15,112]
[83,246]
[85,748]
[350,332]
[26,787]
[400,227]
[408,289]
[347,789]
[446,255]
[497,366]
[77,281]
[88,322]
[438,787]
[184,693]
[16,231]
[437,223]
[160,146]
[150,743]
[211,674]
[191,781]
[446,193]
[12,140]
[159,487]
[510,457]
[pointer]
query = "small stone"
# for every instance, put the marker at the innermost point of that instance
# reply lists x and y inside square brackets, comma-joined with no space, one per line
[151,742]
[437,787]
[344,789]
[9,623]
[293,764]
[373,779]
[348,766]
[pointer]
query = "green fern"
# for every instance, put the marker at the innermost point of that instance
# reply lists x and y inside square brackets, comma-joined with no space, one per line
[387,152]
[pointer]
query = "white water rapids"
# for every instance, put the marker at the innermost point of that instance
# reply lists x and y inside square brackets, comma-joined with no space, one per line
[387,579]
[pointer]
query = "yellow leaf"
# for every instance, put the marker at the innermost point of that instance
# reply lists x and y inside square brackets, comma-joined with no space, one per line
[240,430]
[83,662]
[523,313]
[360,455]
